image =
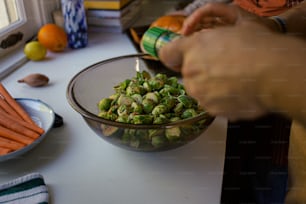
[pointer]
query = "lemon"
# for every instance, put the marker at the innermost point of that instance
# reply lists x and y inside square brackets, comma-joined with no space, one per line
[35,51]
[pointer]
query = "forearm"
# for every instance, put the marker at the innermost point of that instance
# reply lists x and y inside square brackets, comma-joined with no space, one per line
[189,9]
[291,22]
[296,20]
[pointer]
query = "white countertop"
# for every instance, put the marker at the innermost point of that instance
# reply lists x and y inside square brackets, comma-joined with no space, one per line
[80,167]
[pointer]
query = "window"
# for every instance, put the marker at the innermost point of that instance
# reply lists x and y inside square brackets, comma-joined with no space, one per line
[8,13]
[19,22]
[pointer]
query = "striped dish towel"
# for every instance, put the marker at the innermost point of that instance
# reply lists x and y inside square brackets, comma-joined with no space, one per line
[28,189]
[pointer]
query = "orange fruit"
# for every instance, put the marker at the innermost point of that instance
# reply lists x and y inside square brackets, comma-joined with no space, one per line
[53,37]
[173,23]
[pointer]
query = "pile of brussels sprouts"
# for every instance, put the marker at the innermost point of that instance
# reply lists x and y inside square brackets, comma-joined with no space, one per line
[147,99]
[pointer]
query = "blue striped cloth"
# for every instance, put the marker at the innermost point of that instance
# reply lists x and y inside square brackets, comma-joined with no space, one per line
[28,189]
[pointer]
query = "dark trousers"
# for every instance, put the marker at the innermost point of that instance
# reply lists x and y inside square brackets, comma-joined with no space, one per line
[256,161]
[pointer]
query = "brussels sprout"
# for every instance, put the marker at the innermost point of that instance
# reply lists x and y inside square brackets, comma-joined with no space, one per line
[139,76]
[136,108]
[147,86]
[111,116]
[159,141]
[103,114]
[122,86]
[153,96]
[137,98]
[174,119]
[142,134]
[104,104]
[186,100]
[188,113]
[161,119]
[135,88]
[142,119]
[155,132]
[143,75]
[173,134]
[113,109]
[169,90]
[108,115]
[170,115]
[130,132]
[146,75]
[148,105]
[161,76]
[178,109]
[108,130]
[123,110]
[182,89]
[125,100]
[159,109]
[123,119]
[172,81]
[156,84]
[169,102]
[115,96]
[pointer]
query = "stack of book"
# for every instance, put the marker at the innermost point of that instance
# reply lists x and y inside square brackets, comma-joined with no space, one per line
[112,15]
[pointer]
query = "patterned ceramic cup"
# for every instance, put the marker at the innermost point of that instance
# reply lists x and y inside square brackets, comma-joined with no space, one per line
[75,23]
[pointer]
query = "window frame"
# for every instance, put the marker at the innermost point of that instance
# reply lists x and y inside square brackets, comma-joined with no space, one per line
[34,13]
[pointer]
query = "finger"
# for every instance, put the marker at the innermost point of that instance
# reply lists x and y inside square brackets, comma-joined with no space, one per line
[171,54]
[204,23]
[232,108]
[208,13]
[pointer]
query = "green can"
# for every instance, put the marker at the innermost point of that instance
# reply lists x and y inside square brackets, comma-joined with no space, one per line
[155,38]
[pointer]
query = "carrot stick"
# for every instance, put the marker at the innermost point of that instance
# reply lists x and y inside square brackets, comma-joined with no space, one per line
[7,108]
[9,134]
[12,119]
[13,103]
[4,151]
[16,127]
[10,144]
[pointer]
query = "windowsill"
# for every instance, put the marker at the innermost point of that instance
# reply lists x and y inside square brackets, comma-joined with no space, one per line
[11,62]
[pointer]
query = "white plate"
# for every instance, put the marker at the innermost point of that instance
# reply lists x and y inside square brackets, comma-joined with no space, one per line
[42,114]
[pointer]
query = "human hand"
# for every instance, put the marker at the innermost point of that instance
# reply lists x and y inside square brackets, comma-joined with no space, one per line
[209,16]
[222,68]
[177,12]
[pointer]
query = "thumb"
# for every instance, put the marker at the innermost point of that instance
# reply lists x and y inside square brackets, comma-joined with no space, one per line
[171,54]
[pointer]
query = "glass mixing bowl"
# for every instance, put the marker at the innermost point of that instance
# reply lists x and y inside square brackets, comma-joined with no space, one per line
[97,81]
